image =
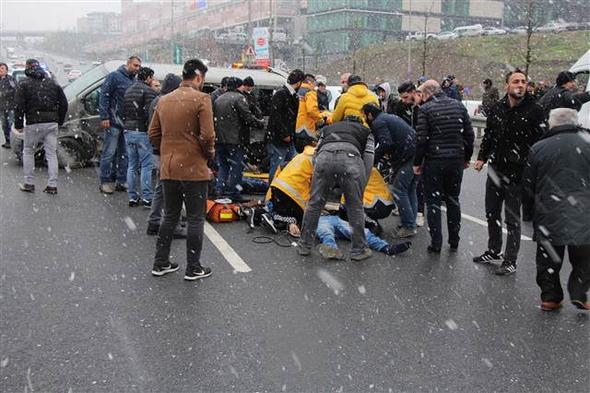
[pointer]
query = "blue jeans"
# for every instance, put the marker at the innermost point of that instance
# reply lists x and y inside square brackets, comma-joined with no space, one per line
[6,121]
[404,192]
[278,155]
[139,152]
[229,159]
[331,228]
[113,160]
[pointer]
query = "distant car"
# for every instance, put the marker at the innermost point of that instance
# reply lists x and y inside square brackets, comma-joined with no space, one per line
[520,30]
[552,27]
[68,67]
[493,31]
[82,62]
[419,36]
[469,31]
[446,35]
[74,74]
[96,63]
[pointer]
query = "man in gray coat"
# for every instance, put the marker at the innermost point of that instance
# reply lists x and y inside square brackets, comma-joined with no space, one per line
[558,175]
[233,120]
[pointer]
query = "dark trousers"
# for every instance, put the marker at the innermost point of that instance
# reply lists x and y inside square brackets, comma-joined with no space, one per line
[420,194]
[507,194]
[194,196]
[549,262]
[285,209]
[442,181]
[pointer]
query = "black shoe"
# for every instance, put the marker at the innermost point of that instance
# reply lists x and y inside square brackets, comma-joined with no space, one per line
[26,187]
[197,273]
[50,190]
[121,187]
[433,250]
[394,249]
[488,257]
[453,247]
[133,202]
[6,145]
[507,268]
[267,222]
[152,229]
[162,270]
[146,203]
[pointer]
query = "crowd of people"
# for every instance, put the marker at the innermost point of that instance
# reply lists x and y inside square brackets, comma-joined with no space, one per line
[334,174]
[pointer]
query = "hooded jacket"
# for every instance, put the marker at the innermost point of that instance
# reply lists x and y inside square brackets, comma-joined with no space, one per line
[136,104]
[308,115]
[39,100]
[112,93]
[558,175]
[388,104]
[560,97]
[8,87]
[351,103]
[233,118]
[443,130]
[509,135]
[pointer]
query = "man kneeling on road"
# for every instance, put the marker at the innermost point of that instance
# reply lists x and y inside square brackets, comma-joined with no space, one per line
[339,162]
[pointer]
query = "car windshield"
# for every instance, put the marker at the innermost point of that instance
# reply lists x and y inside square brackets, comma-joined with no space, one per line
[76,87]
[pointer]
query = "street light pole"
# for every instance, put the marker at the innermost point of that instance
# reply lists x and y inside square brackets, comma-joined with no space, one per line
[410,45]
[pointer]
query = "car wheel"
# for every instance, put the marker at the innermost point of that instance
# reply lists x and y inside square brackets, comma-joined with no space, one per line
[68,153]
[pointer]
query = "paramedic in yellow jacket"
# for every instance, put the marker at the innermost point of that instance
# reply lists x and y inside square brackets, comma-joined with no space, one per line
[351,103]
[377,199]
[309,116]
[291,190]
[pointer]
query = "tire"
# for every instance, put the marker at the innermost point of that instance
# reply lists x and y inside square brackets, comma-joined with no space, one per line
[68,153]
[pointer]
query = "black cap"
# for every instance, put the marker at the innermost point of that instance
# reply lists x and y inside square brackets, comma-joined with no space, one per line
[31,63]
[354,80]
[564,77]
[248,81]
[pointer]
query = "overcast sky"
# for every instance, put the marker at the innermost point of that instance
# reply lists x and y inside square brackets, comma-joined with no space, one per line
[50,14]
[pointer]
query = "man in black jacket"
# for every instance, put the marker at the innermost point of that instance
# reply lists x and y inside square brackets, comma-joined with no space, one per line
[564,94]
[558,174]
[43,104]
[444,146]
[7,92]
[136,103]
[280,132]
[233,120]
[513,125]
[339,162]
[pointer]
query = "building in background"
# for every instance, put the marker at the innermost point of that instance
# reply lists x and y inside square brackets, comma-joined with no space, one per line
[544,11]
[100,23]
[339,26]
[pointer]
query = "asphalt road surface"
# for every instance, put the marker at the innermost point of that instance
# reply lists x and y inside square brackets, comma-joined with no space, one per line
[80,311]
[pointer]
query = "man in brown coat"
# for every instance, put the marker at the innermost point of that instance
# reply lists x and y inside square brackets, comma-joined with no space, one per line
[182,130]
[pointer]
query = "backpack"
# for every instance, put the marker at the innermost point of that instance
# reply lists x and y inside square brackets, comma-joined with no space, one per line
[220,211]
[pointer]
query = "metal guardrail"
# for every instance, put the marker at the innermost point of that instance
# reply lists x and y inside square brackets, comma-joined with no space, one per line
[479,124]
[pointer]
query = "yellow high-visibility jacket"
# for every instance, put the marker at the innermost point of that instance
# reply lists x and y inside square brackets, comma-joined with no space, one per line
[376,190]
[309,114]
[351,103]
[295,179]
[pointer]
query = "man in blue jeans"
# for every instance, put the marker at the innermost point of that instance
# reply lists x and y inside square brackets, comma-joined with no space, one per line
[136,104]
[397,140]
[331,228]
[280,132]
[114,157]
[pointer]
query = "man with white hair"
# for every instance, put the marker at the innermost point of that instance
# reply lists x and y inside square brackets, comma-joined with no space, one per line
[558,175]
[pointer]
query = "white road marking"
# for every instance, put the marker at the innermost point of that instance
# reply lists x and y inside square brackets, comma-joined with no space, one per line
[484,223]
[225,249]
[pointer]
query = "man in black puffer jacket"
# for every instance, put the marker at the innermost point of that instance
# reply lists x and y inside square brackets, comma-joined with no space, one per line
[558,175]
[43,104]
[136,103]
[444,145]
[513,125]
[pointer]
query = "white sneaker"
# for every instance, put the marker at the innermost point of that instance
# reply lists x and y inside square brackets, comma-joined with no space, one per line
[420,220]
